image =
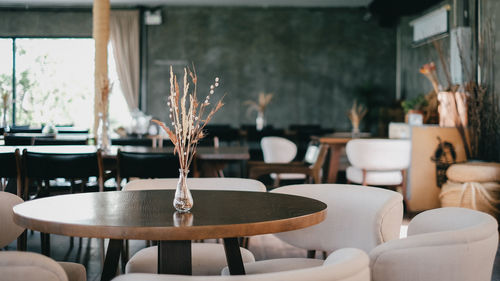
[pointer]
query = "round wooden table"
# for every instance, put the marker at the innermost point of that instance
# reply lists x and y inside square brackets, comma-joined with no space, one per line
[149,215]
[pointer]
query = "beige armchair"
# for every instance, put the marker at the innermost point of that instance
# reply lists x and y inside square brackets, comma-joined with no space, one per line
[208,258]
[342,265]
[445,244]
[16,265]
[358,217]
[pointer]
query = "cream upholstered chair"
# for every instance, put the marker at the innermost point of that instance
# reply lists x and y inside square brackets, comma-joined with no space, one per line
[15,265]
[342,265]
[280,150]
[207,258]
[235,184]
[445,244]
[380,162]
[357,216]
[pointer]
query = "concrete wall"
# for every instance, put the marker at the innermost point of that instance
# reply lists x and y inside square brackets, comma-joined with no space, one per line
[73,23]
[313,60]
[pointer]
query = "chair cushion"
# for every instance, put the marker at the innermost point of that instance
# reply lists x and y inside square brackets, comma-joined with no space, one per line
[474,172]
[355,175]
[74,271]
[29,266]
[207,259]
[277,265]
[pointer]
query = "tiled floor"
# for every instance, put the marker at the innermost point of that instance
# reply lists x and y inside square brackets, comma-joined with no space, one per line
[87,251]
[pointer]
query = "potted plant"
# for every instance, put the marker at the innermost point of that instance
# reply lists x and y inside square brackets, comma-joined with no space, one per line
[415,106]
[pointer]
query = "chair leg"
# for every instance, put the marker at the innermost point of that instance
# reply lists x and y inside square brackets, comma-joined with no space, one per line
[364,178]
[311,254]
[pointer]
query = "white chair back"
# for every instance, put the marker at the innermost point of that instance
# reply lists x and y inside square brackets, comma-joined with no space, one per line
[235,184]
[9,231]
[379,154]
[358,216]
[278,149]
[443,244]
[341,265]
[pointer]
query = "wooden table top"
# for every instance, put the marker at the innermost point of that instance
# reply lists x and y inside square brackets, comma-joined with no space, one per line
[340,137]
[205,153]
[149,214]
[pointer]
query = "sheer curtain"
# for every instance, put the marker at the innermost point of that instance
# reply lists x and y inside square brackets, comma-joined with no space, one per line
[124,31]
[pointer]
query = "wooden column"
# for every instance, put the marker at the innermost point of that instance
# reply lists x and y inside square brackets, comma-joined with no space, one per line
[100,31]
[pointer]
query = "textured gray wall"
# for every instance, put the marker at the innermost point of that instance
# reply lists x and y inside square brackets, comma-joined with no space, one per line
[46,23]
[313,60]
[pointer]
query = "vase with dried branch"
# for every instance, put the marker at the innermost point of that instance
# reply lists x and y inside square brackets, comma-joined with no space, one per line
[260,106]
[103,141]
[5,94]
[188,119]
[356,114]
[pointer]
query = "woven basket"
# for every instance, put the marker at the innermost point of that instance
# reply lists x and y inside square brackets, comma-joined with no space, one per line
[484,196]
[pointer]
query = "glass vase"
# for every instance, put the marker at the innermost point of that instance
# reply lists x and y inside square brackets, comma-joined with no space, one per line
[4,124]
[260,121]
[183,201]
[103,141]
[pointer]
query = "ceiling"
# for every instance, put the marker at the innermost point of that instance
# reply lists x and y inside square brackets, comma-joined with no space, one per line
[249,3]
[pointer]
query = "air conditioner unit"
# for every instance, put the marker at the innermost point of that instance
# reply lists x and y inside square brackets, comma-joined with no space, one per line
[430,25]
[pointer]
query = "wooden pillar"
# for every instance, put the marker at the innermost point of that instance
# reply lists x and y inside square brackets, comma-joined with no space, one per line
[100,31]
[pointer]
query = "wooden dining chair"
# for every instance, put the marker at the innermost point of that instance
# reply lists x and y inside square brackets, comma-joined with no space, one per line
[145,165]
[10,170]
[311,167]
[44,167]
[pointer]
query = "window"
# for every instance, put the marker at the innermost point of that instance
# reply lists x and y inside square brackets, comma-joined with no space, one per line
[55,82]
[5,80]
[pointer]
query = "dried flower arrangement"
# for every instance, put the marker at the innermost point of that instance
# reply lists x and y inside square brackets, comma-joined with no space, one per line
[102,130]
[261,103]
[188,116]
[105,90]
[471,107]
[356,114]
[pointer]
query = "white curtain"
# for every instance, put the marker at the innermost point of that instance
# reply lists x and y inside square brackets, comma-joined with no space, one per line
[124,31]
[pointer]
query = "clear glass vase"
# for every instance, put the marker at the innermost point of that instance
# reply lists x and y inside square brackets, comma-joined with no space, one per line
[5,124]
[103,141]
[183,201]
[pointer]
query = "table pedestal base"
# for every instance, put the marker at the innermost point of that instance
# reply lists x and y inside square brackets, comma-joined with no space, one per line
[174,257]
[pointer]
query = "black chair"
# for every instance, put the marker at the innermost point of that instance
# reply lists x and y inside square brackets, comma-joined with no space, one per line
[146,165]
[133,141]
[25,129]
[10,171]
[18,140]
[44,167]
[48,141]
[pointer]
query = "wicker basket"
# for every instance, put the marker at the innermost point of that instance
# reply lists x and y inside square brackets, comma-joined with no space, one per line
[484,197]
